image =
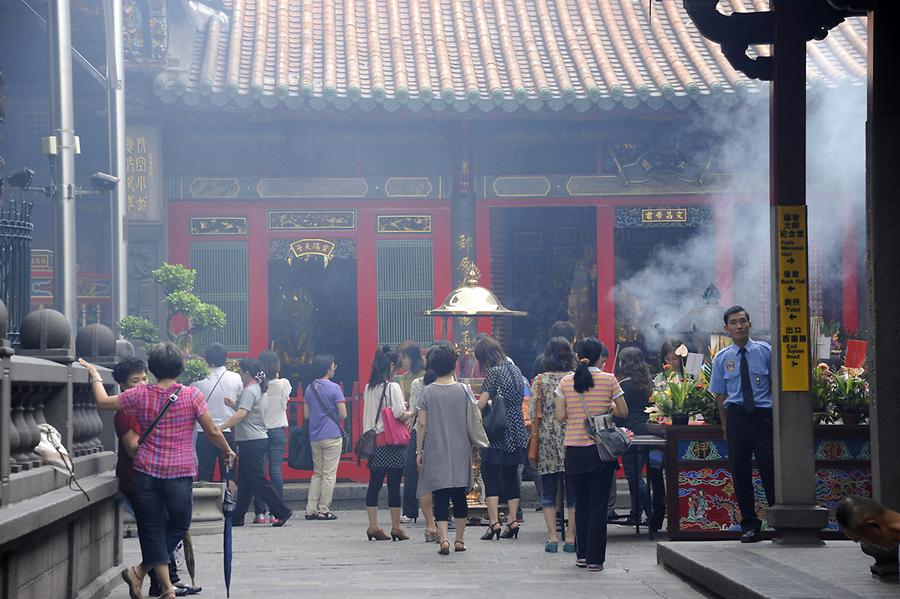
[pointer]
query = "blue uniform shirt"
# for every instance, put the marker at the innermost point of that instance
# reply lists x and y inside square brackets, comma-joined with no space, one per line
[726,373]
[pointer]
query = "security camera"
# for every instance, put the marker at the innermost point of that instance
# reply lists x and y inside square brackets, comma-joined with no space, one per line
[104,181]
[20,178]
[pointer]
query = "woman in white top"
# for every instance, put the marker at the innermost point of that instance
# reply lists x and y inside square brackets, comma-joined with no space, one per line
[277,396]
[387,461]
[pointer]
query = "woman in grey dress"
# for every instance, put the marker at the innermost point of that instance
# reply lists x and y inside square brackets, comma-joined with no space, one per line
[443,450]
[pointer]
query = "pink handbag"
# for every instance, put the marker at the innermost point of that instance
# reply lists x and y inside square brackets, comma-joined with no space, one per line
[395,432]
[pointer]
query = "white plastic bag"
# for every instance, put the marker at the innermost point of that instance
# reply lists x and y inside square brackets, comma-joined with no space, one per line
[52,451]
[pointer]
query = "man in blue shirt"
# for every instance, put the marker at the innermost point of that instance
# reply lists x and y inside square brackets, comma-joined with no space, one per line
[741,381]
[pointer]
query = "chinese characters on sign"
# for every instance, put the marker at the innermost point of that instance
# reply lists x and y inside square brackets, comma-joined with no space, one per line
[305,248]
[664,215]
[138,174]
[792,281]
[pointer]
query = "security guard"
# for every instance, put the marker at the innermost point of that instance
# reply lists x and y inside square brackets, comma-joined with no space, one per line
[742,384]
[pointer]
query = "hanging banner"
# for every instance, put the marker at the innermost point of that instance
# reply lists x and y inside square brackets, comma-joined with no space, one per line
[793,342]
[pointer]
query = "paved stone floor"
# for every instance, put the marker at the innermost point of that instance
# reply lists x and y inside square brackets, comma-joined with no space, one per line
[839,570]
[334,560]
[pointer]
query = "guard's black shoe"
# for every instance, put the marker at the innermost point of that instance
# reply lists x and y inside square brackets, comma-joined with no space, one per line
[751,536]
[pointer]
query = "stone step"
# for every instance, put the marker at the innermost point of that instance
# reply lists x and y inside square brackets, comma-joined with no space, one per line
[352,495]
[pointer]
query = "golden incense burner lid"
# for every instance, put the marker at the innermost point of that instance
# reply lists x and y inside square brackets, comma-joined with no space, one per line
[472,300]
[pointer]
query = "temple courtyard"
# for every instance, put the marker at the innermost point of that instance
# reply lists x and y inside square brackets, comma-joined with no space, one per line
[333,559]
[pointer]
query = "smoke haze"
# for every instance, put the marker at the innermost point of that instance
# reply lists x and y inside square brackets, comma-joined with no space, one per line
[672,283]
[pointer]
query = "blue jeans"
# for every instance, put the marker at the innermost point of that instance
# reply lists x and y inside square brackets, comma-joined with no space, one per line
[251,480]
[274,460]
[163,509]
[550,484]
[633,463]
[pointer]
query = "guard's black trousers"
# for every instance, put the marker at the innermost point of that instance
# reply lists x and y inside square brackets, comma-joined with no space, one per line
[749,435]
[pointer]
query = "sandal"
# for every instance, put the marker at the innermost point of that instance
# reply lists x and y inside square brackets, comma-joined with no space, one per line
[134,583]
[492,531]
[459,546]
[445,547]
[326,516]
[431,536]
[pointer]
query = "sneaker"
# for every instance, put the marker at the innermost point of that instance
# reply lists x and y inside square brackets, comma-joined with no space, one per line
[277,523]
[260,519]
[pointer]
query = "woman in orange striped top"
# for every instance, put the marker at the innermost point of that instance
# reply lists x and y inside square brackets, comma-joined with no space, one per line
[599,392]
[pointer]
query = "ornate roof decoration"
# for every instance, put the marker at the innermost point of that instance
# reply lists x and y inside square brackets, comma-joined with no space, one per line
[484,55]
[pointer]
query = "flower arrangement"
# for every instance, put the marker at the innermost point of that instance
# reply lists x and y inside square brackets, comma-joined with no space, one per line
[843,394]
[683,396]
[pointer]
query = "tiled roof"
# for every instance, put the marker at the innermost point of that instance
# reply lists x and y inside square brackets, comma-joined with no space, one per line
[468,54]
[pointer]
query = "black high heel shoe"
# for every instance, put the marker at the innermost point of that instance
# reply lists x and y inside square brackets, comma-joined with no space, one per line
[510,532]
[492,531]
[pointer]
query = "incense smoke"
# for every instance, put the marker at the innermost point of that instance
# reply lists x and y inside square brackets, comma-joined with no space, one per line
[672,283]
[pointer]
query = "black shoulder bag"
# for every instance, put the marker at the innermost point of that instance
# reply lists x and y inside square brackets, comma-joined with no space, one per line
[172,397]
[345,438]
[365,445]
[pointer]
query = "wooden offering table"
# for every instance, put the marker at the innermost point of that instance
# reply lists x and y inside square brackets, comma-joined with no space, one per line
[700,499]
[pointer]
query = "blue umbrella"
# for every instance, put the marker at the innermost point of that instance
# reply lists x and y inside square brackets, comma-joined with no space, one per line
[228,504]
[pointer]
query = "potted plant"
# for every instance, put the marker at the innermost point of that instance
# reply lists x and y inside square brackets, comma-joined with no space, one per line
[700,400]
[672,396]
[851,395]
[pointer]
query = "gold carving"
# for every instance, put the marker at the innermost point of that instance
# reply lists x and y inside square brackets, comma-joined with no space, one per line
[404,223]
[138,174]
[664,215]
[307,248]
[218,225]
[287,220]
[464,243]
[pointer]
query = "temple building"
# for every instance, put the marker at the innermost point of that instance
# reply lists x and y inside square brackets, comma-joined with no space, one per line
[331,169]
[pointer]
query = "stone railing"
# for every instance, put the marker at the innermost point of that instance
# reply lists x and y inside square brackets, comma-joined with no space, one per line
[61,538]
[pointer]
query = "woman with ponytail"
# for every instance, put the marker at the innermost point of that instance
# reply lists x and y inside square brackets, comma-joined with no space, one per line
[387,461]
[251,436]
[590,390]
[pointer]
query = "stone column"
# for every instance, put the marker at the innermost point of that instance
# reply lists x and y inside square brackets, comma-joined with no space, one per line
[463,230]
[796,518]
[883,248]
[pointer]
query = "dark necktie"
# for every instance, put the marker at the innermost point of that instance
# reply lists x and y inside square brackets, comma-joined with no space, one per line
[746,387]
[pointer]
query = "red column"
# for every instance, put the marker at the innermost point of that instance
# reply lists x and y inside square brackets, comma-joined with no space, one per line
[606,277]
[258,280]
[850,282]
[366,293]
[724,223]
[483,256]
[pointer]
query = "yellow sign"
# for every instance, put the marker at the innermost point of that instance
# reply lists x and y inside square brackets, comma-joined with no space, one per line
[792,284]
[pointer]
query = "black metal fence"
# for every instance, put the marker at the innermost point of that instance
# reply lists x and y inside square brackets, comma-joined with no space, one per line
[15,262]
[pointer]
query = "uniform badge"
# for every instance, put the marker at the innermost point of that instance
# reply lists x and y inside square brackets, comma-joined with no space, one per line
[729,365]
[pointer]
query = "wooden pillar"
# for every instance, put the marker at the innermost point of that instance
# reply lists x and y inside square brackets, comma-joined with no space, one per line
[883,246]
[796,518]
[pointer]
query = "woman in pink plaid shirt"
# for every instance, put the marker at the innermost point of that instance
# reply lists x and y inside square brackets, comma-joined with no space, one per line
[164,466]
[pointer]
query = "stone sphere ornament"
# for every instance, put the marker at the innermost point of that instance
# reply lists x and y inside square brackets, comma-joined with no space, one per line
[4,320]
[45,329]
[94,341]
[124,349]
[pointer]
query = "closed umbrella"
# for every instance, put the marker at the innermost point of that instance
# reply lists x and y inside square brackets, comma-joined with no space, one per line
[228,504]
